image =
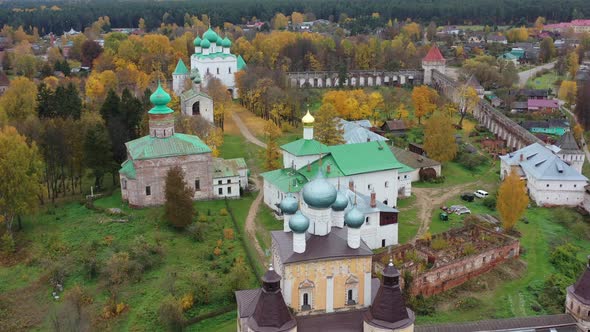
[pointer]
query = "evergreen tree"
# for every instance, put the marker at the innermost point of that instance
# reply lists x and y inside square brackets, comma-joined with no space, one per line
[583,103]
[97,152]
[178,208]
[132,110]
[44,100]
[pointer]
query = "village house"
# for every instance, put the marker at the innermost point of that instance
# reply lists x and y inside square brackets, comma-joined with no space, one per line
[149,158]
[500,39]
[550,181]
[355,132]
[395,127]
[416,162]
[544,105]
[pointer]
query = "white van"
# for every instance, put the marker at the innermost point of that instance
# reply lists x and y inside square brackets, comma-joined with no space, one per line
[481,193]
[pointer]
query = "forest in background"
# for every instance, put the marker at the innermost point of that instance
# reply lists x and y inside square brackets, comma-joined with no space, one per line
[59,16]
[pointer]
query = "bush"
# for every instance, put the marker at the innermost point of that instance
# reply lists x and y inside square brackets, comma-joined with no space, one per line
[228,233]
[468,249]
[490,202]
[197,231]
[468,303]
[427,174]
[187,301]
[565,261]
[170,314]
[7,245]
[470,160]
[439,243]
[423,306]
[120,269]
[223,212]
[146,254]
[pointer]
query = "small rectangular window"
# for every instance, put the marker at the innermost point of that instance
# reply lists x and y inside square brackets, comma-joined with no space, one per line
[219,181]
[228,181]
[124,184]
[229,70]
[197,185]
[220,191]
[207,70]
[229,190]
[148,190]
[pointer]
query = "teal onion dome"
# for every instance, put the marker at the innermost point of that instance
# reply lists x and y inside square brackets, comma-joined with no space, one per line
[226,42]
[197,79]
[299,223]
[205,43]
[160,98]
[211,36]
[354,218]
[341,202]
[319,193]
[289,204]
[197,41]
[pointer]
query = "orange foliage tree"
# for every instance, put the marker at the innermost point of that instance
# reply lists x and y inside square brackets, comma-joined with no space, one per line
[512,200]
[424,100]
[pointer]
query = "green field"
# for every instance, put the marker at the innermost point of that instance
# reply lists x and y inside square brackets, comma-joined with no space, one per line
[546,81]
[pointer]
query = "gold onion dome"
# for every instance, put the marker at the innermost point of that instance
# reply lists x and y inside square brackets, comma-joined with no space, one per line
[308,118]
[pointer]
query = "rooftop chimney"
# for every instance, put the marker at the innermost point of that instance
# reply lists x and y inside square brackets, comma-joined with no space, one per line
[351,185]
[521,157]
[328,168]
[373,199]
[308,167]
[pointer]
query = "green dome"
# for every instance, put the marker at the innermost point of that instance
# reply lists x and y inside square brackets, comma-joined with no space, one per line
[160,98]
[197,79]
[341,202]
[205,43]
[354,218]
[197,41]
[289,204]
[299,223]
[211,36]
[319,193]
[226,42]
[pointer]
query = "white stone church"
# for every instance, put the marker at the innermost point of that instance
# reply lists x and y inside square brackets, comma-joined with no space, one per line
[212,59]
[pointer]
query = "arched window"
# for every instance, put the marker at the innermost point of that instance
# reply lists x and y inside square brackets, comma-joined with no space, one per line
[352,292]
[306,295]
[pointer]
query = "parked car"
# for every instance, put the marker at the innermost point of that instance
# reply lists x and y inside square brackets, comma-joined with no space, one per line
[481,193]
[463,211]
[459,209]
[468,197]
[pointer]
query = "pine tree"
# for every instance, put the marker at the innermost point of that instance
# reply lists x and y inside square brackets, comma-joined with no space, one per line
[512,200]
[178,208]
[439,138]
[132,110]
[98,156]
[583,104]
[327,126]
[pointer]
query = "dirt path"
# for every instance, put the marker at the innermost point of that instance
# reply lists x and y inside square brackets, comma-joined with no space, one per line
[250,225]
[430,199]
[246,132]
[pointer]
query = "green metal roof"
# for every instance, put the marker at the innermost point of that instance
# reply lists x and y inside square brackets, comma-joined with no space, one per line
[335,171]
[128,170]
[188,94]
[225,168]
[364,157]
[239,162]
[241,63]
[215,55]
[305,147]
[148,147]
[180,68]
[285,179]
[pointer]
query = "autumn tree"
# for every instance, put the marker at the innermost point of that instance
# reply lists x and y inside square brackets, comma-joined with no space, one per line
[280,21]
[90,51]
[20,99]
[327,127]
[424,100]
[178,207]
[578,132]
[20,176]
[512,200]
[468,102]
[272,154]
[567,91]
[401,113]
[296,18]
[573,64]
[439,138]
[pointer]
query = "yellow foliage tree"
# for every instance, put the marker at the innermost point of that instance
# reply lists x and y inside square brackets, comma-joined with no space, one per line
[468,102]
[512,200]
[296,18]
[20,99]
[439,138]
[568,91]
[280,21]
[272,154]
[215,140]
[412,30]
[573,63]
[327,127]
[424,100]
[578,132]
[401,113]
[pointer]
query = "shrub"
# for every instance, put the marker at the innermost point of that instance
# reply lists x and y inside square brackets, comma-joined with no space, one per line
[217,251]
[202,218]
[170,314]
[427,174]
[470,160]
[223,212]
[120,268]
[468,249]
[468,303]
[565,261]
[178,207]
[423,306]
[187,301]
[490,202]
[228,234]
[439,243]
[7,245]
[146,254]
[72,314]
[197,231]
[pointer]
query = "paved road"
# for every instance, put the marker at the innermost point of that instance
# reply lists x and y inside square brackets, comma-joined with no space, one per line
[524,76]
[246,132]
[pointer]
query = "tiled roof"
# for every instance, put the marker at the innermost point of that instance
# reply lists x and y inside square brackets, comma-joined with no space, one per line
[224,168]
[149,147]
[538,103]
[434,54]
[581,289]
[541,163]
[561,323]
[190,93]
[395,125]
[305,147]
[331,246]
[246,300]
[567,144]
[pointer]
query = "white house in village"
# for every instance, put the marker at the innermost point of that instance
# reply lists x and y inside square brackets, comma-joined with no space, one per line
[549,179]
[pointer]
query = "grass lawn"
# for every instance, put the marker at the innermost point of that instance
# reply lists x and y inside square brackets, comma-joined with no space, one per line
[222,323]
[57,240]
[546,81]
[510,296]
[266,222]
[455,173]
[408,225]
